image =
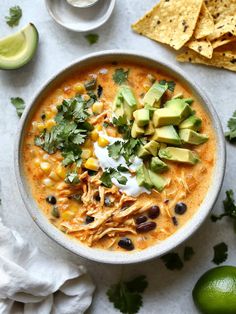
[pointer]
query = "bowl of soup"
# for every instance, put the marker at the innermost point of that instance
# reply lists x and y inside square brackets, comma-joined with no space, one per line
[120,157]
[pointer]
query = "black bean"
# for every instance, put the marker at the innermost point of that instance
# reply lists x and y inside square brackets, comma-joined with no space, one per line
[174,220]
[180,208]
[154,212]
[43,116]
[51,199]
[55,212]
[97,197]
[146,227]
[89,219]
[99,91]
[126,243]
[140,219]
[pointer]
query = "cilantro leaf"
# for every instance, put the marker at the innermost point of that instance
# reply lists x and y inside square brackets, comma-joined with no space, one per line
[229,208]
[121,179]
[92,38]
[126,296]
[231,134]
[122,168]
[19,104]
[72,177]
[171,84]
[106,179]
[114,150]
[15,14]
[110,173]
[120,76]
[220,253]
[172,261]
[122,125]
[188,253]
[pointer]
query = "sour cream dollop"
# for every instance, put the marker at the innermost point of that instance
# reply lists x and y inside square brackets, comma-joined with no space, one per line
[131,188]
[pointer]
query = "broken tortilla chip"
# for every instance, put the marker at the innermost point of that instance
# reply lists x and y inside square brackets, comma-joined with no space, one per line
[201,46]
[223,40]
[205,23]
[220,59]
[221,9]
[170,22]
[226,26]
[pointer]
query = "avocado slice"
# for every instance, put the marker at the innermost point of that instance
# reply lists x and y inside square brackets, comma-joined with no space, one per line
[166,116]
[18,49]
[130,102]
[166,134]
[191,137]
[136,130]
[142,177]
[158,182]
[149,129]
[193,123]
[152,147]
[143,152]
[154,94]
[157,165]
[182,155]
[180,106]
[142,117]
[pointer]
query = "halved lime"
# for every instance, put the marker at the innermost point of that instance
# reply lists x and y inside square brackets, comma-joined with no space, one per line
[18,49]
[215,291]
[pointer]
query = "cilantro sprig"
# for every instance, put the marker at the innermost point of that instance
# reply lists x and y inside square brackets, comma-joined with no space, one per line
[120,76]
[171,84]
[110,173]
[220,253]
[92,38]
[126,296]
[19,104]
[15,14]
[229,208]
[173,261]
[69,133]
[231,134]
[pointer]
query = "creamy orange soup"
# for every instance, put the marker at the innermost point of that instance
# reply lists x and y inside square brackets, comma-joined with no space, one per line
[68,182]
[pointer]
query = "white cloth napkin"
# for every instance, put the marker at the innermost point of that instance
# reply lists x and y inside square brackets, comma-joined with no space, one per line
[43,284]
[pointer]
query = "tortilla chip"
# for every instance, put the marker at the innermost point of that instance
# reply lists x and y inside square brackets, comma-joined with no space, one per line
[170,22]
[221,9]
[225,26]
[205,24]
[201,46]
[220,59]
[223,40]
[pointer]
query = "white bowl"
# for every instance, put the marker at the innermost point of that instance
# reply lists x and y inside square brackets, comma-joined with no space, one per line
[180,235]
[80,19]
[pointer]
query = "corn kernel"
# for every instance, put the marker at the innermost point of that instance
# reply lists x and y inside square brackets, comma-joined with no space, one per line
[41,126]
[97,107]
[102,141]
[92,164]
[50,123]
[86,153]
[94,135]
[54,176]
[48,182]
[37,161]
[45,166]
[54,109]
[68,215]
[61,171]
[79,88]
[98,127]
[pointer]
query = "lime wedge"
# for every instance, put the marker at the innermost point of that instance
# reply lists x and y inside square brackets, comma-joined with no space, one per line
[18,49]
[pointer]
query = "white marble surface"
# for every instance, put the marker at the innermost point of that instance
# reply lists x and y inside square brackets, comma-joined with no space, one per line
[168,292]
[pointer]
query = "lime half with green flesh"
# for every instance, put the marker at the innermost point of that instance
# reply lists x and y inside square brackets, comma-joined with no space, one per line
[18,49]
[215,291]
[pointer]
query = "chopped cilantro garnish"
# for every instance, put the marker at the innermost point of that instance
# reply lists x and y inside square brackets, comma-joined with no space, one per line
[220,253]
[171,84]
[188,253]
[172,261]
[126,296]
[231,134]
[19,105]
[122,168]
[69,133]
[229,208]
[72,177]
[92,38]
[120,76]
[114,150]
[122,126]
[15,14]
[110,173]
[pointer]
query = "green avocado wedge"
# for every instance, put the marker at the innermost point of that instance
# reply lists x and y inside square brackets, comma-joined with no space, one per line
[18,49]
[215,291]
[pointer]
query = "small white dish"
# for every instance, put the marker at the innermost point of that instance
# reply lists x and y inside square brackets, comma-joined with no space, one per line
[80,19]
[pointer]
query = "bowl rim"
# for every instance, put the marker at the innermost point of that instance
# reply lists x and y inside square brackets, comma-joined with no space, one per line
[94,26]
[182,234]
